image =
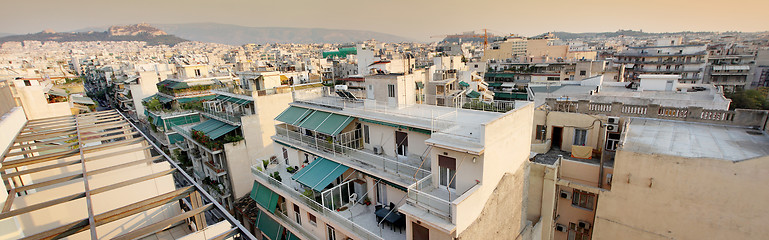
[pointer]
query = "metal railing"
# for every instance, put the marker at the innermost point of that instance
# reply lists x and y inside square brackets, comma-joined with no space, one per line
[432,204]
[231,118]
[383,162]
[315,206]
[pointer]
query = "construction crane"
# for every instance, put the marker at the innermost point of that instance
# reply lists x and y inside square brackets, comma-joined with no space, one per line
[485,37]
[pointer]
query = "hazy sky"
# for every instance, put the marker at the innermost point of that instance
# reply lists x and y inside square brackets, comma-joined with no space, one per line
[409,18]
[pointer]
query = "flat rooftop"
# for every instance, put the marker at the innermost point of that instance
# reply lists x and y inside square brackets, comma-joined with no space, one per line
[707,99]
[695,140]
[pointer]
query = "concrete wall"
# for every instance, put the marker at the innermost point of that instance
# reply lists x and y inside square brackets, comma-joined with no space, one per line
[11,122]
[700,198]
[503,214]
[569,122]
[37,107]
[504,154]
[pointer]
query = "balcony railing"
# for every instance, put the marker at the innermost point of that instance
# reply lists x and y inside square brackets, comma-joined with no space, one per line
[382,162]
[432,204]
[231,118]
[329,214]
[234,90]
[215,167]
[742,117]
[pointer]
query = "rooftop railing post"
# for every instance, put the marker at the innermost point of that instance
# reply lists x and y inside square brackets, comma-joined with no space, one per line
[583,106]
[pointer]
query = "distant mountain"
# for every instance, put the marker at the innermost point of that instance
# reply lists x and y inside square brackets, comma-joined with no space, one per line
[629,33]
[6,34]
[238,35]
[137,32]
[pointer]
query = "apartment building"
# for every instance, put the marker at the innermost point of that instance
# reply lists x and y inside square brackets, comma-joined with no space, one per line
[732,72]
[93,176]
[179,98]
[366,169]
[686,60]
[234,129]
[589,150]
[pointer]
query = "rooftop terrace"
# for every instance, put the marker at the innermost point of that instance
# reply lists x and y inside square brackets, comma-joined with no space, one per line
[695,140]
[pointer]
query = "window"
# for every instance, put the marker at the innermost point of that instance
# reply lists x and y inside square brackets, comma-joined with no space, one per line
[580,137]
[285,155]
[447,168]
[578,233]
[541,132]
[611,141]
[298,215]
[582,72]
[390,90]
[331,233]
[27,83]
[312,219]
[197,72]
[583,199]
[366,134]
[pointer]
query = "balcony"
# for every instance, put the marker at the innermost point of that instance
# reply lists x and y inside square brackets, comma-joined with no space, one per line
[184,130]
[292,193]
[438,201]
[215,167]
[231,118]
[404,170]
[233,90]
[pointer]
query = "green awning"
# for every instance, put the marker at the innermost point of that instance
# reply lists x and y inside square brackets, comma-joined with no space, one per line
[319,173]
[264,197]
[495,84]
[413,129]
[233,99]
[326,123]
[214,128]
[464,84]
[473,94]
[195,99]
[510,96]
[291,236]
[181,120]
[162,99]
[268,226]
[499,75]
[173,138]
[173,84]
[293,115]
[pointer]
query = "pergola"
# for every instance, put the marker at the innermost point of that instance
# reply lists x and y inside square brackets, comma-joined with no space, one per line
[95,150]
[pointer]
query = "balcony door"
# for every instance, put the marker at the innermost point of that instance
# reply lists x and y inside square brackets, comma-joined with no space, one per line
[447,167]
[401,143]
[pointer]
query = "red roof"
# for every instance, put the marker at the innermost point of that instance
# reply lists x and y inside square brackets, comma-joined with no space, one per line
[353,79]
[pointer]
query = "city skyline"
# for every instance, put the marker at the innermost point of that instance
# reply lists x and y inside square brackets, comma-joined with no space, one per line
[527,19]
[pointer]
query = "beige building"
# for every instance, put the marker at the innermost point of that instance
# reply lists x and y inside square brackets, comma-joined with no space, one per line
[613,170]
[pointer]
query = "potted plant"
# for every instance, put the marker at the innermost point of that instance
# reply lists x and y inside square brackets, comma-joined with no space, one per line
[366,201]
[291,170]
[276,176]
[265,163]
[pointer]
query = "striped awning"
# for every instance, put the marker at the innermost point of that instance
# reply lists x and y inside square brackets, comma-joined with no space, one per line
[214,128]
[319,173]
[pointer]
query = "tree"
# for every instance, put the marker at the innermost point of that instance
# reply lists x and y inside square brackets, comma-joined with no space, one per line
[749,99]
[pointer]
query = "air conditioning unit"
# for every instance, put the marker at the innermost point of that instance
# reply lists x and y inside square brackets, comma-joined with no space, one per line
[585,225]
[565,194]
[613,120]
[378,150]
[560,227]
[612,128]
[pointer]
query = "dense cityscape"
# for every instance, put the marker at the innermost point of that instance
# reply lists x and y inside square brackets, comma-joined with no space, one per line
[134,132]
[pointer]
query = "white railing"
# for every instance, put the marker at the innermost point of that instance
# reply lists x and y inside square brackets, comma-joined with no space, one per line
[383,162]
[232,118]
[329,214]
[433,204]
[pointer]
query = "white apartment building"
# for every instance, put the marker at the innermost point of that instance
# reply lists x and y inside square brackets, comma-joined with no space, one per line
[686,60]
[366,169]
